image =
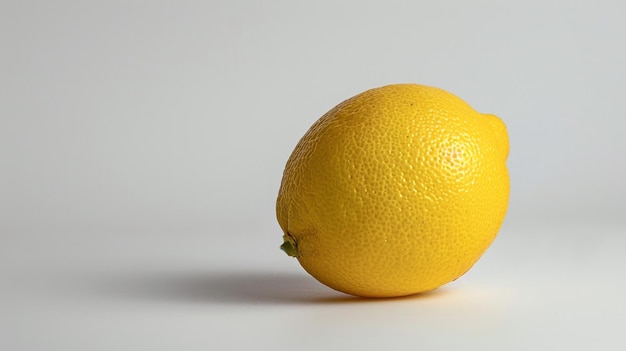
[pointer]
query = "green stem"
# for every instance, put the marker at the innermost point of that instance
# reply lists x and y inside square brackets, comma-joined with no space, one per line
[289,246]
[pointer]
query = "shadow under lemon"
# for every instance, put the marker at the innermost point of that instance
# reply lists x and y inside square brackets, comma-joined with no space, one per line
[239,287]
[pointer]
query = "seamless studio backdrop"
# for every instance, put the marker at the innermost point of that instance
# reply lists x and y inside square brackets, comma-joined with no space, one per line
[138,138]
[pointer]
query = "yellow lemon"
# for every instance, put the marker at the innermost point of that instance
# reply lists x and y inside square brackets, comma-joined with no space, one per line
[395,191]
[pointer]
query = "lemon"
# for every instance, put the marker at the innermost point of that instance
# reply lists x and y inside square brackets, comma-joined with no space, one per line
[395,191]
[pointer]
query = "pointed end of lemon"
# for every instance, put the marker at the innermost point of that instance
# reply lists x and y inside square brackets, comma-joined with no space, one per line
[289,246]
[502,136]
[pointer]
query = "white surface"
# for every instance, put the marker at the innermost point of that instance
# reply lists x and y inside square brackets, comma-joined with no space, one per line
[531,290]
[142,144]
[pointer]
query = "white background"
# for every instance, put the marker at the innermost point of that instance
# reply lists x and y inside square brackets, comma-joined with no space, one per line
[142,144]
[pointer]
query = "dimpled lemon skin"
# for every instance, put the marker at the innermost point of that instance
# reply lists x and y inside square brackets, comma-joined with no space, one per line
[395,191]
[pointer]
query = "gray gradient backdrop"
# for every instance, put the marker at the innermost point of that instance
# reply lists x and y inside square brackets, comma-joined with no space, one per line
[142,145]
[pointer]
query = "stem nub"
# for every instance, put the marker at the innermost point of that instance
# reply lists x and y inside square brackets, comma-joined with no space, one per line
[289,246]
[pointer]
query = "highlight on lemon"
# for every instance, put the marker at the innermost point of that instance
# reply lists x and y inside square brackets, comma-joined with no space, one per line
[395,191]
